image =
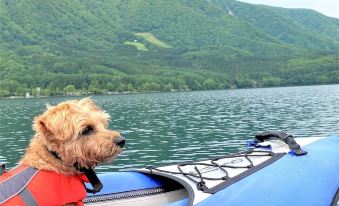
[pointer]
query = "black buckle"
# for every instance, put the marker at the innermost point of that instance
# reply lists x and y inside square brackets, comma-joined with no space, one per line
[202,186]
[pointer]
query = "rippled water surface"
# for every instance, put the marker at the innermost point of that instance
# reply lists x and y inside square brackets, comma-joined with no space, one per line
[172,127]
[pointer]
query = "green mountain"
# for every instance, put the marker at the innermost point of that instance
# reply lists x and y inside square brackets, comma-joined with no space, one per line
[117,45]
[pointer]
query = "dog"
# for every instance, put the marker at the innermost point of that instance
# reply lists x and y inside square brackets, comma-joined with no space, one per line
[71,137]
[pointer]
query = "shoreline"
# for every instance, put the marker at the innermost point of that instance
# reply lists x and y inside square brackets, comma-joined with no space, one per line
[152,92]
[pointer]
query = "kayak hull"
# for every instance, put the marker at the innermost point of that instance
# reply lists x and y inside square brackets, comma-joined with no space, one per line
[311,179]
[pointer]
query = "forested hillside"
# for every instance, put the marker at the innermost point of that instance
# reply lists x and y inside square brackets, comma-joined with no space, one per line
[104,46]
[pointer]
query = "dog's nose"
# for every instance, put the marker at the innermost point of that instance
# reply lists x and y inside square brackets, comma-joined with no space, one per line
[120,141]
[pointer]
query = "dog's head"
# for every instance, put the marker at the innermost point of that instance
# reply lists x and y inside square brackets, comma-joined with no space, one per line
[77,131]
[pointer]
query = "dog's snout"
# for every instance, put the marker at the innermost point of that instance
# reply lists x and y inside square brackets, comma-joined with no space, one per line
[120,141]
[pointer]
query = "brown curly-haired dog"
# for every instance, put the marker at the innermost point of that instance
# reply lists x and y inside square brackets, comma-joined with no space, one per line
[69,136]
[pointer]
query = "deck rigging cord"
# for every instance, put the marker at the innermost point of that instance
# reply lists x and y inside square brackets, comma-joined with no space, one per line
[213,165]
[200,180]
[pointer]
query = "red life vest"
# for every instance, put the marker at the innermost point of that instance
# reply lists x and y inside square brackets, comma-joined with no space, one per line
[26,186]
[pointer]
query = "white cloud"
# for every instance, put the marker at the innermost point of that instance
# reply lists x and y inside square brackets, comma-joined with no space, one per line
[327,7]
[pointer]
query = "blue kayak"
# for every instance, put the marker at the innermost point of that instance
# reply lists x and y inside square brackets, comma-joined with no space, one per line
[272,172]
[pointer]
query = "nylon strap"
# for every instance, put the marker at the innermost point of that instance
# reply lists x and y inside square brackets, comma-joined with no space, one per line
[28,198]
[89,173]
[17,184]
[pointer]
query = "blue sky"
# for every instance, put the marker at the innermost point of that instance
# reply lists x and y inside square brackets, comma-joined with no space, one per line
[327,7]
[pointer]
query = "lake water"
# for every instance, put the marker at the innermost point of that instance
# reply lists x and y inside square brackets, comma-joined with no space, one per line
[171,127]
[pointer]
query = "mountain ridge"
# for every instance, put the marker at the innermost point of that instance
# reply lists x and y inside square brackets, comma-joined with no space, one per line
[224,43]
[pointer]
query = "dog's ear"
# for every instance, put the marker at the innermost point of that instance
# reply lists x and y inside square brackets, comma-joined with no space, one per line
[40,127]
[55,123]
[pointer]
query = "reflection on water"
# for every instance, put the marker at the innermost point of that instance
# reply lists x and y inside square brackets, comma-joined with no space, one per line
[172,127]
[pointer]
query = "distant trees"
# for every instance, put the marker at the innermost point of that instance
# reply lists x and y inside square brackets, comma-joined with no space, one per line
[103,79]
[109,46]
[70,89]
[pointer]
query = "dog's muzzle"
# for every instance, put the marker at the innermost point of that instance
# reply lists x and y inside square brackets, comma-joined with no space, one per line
[120,141]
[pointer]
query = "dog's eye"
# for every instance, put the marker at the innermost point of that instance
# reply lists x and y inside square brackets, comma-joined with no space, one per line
[87,130]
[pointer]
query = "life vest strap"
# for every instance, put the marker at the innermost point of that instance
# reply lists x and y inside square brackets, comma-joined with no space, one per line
[16,185]
[28,198]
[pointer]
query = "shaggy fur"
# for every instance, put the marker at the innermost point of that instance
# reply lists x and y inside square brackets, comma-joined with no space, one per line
[77,131]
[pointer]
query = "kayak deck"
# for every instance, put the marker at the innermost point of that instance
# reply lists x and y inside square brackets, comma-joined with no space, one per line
[310,179]
[138,189]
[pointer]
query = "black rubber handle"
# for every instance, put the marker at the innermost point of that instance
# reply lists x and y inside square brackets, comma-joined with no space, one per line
[287,138]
